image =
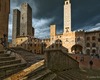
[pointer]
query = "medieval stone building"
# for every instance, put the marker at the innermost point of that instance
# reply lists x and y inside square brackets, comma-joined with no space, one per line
[23,32]
[74,41]
[4,17]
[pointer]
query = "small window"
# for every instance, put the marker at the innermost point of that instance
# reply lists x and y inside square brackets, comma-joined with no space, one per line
[98,39]
[94,51]
[88,51]
[35,45]
[88,38]
[31,45]
[52,46]
[94,45]
[88,45]
[93,38]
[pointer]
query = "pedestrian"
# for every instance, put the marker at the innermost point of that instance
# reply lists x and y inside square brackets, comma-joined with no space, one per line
[91,64]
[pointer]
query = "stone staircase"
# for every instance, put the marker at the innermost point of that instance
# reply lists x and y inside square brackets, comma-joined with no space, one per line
[9,65]
[71,75]
[46,74]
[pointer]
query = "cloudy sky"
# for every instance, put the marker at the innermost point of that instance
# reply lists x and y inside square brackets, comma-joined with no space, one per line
[85,15]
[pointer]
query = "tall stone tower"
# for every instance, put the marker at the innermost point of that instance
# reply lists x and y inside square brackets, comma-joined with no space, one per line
[26,20]
[16,26]
[52,30]
[4,17]
[67,16]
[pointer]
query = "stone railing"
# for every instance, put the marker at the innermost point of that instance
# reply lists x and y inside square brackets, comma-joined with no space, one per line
[13,53]
[58,60]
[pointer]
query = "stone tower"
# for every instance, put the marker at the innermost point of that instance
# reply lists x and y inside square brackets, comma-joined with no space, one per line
[16,25]
[26,20]
[52,30]
[67,16]
[4,17]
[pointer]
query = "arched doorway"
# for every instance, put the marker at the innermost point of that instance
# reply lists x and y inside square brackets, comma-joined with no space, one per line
[88,51]
[77,48]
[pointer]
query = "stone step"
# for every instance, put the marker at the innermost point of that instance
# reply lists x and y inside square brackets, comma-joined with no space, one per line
[12,66]
[6,58]
[51,76]
[75,74]
[66,77]
[4,63]
[4,55]
[69,74]
[40,75]
[8,73]
[59,78]
[35,72]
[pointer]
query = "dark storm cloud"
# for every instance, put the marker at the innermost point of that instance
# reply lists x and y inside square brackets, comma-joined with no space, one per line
[85,14]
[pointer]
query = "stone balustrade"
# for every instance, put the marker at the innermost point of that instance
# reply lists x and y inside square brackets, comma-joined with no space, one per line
[58,60]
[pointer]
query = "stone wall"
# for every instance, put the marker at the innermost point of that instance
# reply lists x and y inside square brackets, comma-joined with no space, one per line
[4,15]
[57,60]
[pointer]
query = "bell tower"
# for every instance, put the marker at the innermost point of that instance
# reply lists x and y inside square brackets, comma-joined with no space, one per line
[67,16]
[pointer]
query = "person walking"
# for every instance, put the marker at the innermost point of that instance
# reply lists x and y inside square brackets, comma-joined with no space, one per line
[91,64]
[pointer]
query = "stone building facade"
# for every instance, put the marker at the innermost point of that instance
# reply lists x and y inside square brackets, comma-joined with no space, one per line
[4,17]
[30,44]
[92,42]
[74,41]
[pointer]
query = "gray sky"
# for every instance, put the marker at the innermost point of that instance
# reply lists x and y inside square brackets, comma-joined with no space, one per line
[85,15]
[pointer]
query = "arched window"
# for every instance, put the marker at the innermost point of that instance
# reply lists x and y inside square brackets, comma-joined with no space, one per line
[93,51]
[88,45]
[88,51]
[93,38]
[94,45]
[88,38]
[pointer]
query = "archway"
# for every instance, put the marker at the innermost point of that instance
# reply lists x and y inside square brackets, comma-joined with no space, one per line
[77,48]
[88,51]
